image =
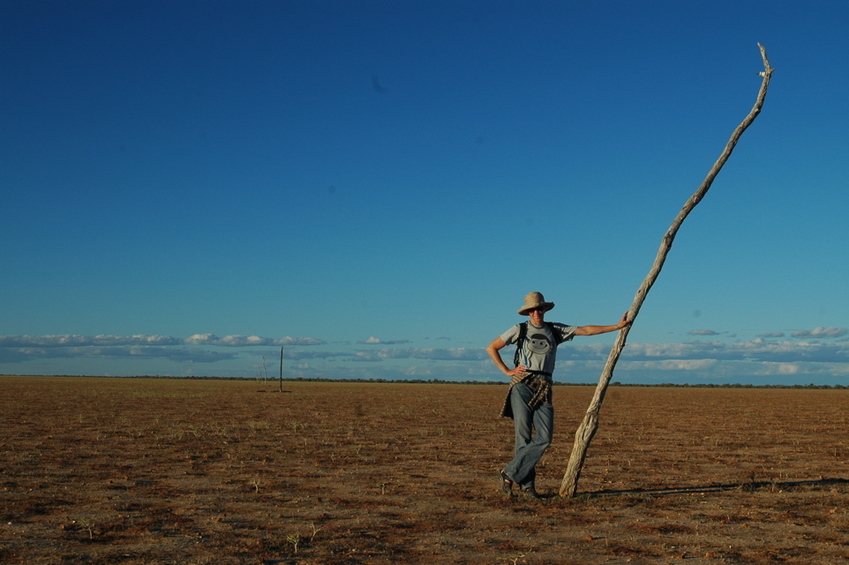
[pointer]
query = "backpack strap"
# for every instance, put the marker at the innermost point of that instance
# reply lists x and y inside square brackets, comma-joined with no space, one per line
[523,332]
[557,337]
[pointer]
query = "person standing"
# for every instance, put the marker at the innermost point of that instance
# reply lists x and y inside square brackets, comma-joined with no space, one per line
[528,400]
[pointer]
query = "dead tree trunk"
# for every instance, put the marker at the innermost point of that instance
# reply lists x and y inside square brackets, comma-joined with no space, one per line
[589,426]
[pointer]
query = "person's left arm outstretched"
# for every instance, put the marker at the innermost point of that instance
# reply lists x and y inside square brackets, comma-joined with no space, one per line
[596,330]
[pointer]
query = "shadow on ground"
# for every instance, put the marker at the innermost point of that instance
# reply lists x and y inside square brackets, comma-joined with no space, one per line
[744,486]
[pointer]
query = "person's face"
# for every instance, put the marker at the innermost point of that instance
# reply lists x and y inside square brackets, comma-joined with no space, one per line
[537,315]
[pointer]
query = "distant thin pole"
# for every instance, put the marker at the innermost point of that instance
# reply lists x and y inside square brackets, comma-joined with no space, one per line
[281,368]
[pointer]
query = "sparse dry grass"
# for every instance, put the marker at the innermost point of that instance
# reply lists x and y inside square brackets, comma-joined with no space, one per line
[160,471]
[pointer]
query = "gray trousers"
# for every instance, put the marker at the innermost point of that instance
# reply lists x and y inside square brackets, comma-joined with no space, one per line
[530,446]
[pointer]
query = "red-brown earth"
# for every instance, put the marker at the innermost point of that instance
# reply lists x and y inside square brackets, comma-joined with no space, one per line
[133,471]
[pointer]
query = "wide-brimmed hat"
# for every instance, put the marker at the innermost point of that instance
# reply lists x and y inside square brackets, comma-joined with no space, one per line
[533,301]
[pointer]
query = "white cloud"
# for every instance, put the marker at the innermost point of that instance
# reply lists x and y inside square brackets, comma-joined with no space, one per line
[377,341]
[821,332]
[674,364]
[200,339]
[754,350]
[177,354]
[243,341]
[249,340]
[426,353]
[84,341]
[300,355]
[22,348]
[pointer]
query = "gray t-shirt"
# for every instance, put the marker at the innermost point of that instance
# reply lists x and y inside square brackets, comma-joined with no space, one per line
[540,347]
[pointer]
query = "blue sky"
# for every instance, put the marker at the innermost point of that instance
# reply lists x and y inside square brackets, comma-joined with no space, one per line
[374,186]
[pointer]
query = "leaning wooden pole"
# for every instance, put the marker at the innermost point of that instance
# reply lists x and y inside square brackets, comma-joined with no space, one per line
[589,426]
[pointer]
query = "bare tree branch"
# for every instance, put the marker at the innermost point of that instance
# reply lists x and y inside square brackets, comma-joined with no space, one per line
[589,426]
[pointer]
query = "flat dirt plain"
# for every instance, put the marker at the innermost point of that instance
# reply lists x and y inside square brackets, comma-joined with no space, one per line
[133,471]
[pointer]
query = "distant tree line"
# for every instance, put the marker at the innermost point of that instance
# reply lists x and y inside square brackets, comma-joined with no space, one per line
[447,382]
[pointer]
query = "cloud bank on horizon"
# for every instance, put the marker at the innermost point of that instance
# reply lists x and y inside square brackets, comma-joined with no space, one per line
[819,355]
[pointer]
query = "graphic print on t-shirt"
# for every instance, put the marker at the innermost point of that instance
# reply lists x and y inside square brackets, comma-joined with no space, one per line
[539,344]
